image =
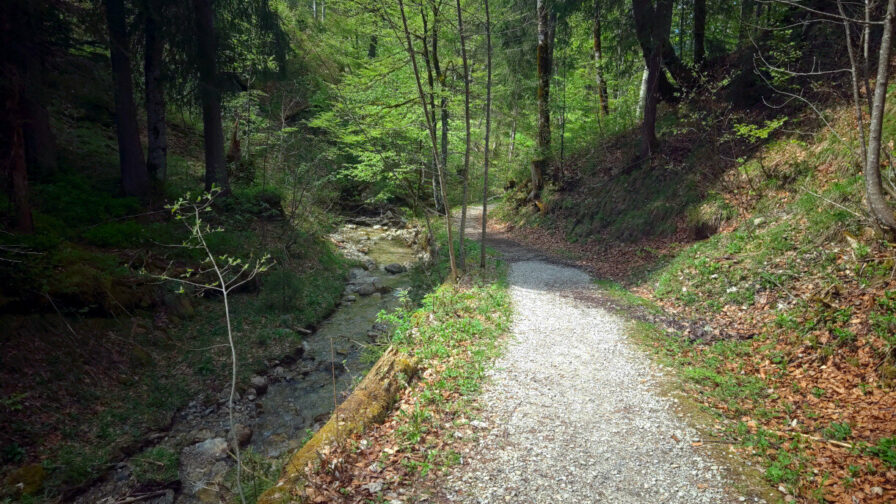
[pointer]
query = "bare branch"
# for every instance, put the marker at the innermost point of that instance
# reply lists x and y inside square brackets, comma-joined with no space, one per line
[831,15]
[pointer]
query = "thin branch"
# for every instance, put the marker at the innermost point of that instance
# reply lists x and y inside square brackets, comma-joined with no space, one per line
[821,13]
[810,104]
[838,205]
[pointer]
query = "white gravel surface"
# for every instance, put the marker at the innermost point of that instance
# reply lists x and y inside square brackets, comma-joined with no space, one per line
[572,413]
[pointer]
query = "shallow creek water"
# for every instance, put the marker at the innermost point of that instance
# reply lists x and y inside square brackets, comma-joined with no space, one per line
[299,391]
[308,393]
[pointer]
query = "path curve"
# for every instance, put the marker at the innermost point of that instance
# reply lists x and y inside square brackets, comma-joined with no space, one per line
[571,410]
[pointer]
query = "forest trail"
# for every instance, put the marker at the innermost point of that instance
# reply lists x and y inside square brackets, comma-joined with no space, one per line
[572,411]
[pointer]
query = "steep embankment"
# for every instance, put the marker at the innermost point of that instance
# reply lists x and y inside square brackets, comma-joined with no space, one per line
[792,292]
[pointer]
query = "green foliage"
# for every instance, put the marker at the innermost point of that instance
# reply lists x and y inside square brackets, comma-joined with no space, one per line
[156,465]
[76,465]
[838,431]
[74,201]
[885,449]
[754,133]
[883,320]
[115,234]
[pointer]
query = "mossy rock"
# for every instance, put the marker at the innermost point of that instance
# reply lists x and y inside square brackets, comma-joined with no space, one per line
[179,305]
[370,403]
[26,480]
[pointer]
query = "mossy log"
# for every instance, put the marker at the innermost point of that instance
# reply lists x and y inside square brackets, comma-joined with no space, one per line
[370,403]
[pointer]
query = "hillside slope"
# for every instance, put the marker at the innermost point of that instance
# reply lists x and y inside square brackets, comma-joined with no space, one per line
[763,245]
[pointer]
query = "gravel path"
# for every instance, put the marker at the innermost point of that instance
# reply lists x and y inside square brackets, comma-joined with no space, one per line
[571,413]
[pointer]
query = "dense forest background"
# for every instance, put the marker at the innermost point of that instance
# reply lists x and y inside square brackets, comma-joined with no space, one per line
[731,160]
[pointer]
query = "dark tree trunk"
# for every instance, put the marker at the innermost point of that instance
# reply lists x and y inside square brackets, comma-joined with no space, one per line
[699,33]
[648,126]
[40,143]
[652,27]
[602,93]
[13,165]
[134,177]
[466,173]
[23,39]
[157,140]
[679,71]
[436,184]
[371,49]
[644,14]
[443,87]
[746,17]
[210,94]
[544,67]
[488,125]
[18,175]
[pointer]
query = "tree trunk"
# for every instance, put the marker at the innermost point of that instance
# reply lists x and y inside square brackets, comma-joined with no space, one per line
[746,16]
[699,33]
[371,49]
[652,26]
[646,29]
[603,95]
[650,143]
[544,68]
[512,140]
[23,40]
[874,192]
[18,175]
[430,127]
[157,140]
[212,129]
[134,178]
[436,183]
[642,94]
[443,88]
[40,143]
[488,124]
[466,172]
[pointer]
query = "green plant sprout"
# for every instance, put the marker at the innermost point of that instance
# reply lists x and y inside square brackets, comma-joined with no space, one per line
[219,273]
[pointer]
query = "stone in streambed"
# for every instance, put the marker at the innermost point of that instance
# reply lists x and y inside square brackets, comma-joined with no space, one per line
[243,434]
[366,289]
[395,268]
[203,467]
[259,383]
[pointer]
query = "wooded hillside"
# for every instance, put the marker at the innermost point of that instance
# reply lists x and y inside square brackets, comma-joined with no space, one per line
[731,161]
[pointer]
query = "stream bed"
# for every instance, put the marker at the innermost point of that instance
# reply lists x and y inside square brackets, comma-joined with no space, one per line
[282,407]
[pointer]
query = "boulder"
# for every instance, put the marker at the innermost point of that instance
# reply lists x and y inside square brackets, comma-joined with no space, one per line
[203,467]
[357,273]
[366,289]
[259,383]
[243,434]
[395,268]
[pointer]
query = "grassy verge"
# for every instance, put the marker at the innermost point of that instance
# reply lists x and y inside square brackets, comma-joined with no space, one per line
[456,333]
